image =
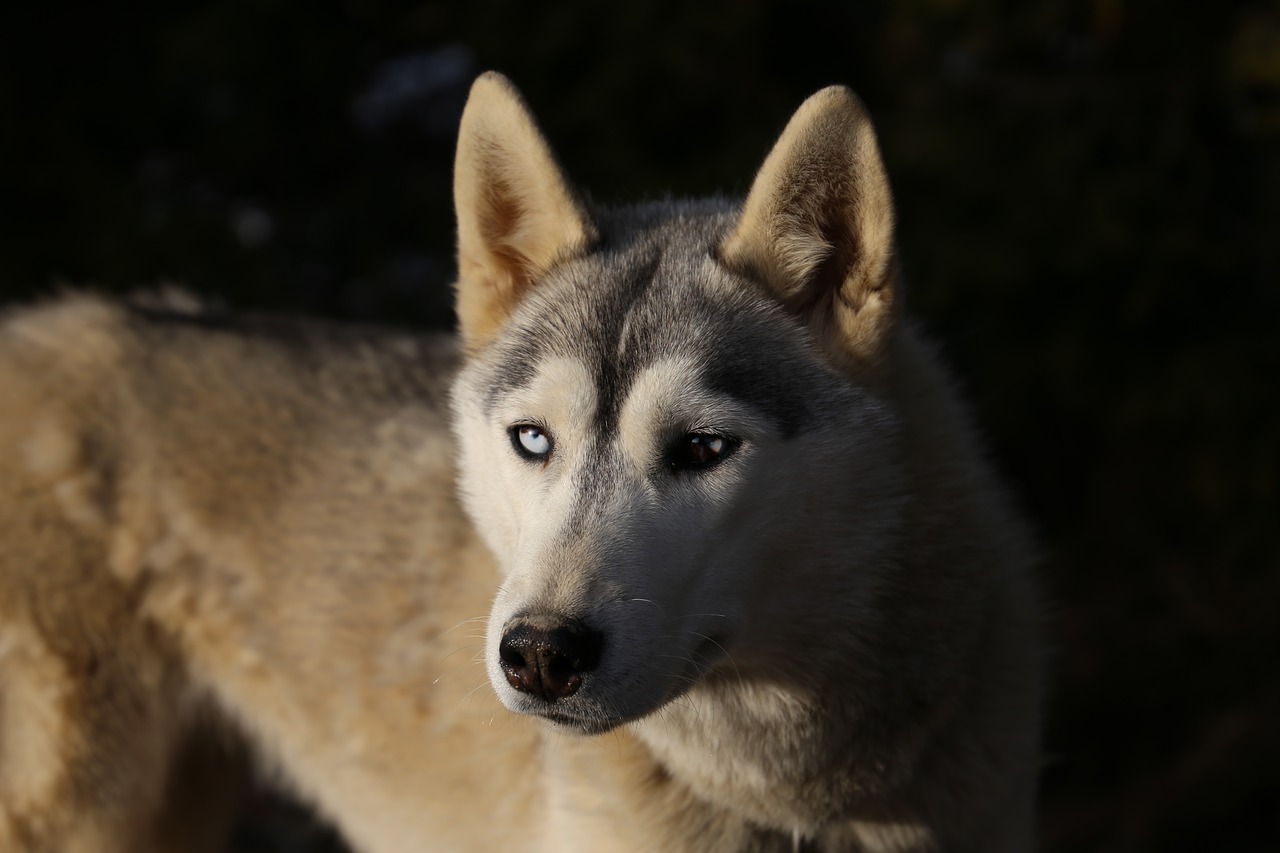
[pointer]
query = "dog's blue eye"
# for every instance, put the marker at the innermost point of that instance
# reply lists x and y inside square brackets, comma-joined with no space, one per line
[698,450]
[530,441]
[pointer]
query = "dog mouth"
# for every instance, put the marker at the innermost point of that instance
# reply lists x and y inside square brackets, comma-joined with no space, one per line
[583,725]
[705,658]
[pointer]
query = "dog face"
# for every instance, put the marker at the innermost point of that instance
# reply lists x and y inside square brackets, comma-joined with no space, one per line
[657,427]
[639,450]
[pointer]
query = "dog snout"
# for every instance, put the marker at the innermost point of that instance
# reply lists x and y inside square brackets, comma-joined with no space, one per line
[547,656]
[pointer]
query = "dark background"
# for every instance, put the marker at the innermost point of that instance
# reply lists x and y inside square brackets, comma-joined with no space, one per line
[1089,198]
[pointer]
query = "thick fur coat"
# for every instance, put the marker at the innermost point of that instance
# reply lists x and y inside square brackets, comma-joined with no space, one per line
[686,545]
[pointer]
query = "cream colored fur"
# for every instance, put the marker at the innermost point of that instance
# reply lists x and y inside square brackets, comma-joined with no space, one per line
[217,533]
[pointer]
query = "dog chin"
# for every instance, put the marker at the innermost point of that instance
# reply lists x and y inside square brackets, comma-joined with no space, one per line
[578,717]
[584,726]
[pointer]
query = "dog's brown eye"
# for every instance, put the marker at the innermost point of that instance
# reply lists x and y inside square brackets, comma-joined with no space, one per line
[699,450]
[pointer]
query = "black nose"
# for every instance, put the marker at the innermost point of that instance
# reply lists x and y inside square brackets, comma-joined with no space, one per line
[547,655]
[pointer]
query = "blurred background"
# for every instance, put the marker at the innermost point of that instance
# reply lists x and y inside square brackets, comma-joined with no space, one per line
[1089,203]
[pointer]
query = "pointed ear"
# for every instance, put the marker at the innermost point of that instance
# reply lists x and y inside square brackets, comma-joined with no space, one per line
[517,216]
[817,226]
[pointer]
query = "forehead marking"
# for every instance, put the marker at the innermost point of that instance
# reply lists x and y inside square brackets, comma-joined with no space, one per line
[622,313]
[561,392]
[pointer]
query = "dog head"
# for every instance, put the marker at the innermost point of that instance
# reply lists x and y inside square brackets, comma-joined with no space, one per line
[668,423]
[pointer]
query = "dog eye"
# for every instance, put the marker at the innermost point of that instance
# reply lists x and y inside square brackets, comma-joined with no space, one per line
[696,451]
[530,441]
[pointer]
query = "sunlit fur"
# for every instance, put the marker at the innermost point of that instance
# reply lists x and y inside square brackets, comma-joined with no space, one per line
[309,539]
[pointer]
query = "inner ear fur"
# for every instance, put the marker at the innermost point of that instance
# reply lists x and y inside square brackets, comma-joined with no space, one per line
[517,215]
[817,227]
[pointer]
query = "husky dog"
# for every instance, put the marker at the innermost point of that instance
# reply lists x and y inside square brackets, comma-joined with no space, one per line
[750,584]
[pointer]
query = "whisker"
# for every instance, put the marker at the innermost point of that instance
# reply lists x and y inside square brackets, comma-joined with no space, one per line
[655,604]
[716,643]
[473,690]
[460,624]
[459,649]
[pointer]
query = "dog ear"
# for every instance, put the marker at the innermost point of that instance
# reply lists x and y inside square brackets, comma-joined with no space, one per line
[817,226]
[517,215]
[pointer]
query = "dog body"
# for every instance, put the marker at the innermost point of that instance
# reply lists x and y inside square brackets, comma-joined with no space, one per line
[749,584]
